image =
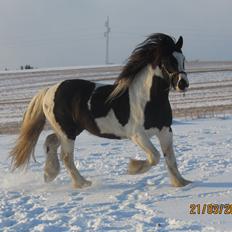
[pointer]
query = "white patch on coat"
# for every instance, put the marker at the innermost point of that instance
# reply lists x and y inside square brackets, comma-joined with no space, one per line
[110,125]
[139,95]
[97,85]
[48,108]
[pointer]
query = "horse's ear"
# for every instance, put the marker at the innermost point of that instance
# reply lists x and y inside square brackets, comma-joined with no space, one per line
[179,43]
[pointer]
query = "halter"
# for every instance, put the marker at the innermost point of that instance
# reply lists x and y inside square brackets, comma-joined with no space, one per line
[172,74]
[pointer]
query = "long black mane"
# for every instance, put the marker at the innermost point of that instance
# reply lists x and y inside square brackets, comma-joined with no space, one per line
[150,51]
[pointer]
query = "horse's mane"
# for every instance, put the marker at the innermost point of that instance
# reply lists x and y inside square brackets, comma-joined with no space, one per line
[149,51]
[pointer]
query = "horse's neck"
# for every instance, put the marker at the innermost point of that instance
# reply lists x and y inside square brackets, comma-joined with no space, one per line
[145,86]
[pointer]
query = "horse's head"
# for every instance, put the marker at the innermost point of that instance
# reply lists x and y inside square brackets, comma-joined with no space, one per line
[160,52]
[173,68]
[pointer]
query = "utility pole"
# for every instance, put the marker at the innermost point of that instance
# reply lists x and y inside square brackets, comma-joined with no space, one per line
[106,35]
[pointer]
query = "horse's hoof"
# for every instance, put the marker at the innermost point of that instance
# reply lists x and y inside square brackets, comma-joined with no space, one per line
[51,170]
[83,184]
[48,178]
[181,183]
[51,173]
[138,166]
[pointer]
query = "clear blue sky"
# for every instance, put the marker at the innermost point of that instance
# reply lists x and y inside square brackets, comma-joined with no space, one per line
[54,33]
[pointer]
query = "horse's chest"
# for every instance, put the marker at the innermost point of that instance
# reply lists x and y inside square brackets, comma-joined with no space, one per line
[157,115]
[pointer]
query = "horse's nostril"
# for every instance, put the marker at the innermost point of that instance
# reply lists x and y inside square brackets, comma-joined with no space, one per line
[182,84]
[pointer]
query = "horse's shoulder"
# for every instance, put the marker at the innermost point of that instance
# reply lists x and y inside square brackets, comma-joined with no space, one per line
[157,111]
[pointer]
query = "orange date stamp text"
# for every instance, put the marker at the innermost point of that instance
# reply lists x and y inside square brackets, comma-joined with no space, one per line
[210,209]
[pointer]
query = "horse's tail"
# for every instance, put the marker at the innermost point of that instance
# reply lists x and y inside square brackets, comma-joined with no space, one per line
[32,125]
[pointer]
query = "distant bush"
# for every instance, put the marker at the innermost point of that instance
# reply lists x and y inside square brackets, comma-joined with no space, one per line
[27,66]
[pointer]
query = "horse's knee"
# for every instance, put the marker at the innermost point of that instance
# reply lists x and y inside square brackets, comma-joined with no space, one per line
[51,142]
[166,140]
[67,150]
[66,158]
[154,158]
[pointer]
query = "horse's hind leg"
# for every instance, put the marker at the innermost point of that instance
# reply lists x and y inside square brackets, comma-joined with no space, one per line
[67,150]
[52,165]
[166,142]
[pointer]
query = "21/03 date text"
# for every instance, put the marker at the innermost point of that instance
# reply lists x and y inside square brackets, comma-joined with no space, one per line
[210,209]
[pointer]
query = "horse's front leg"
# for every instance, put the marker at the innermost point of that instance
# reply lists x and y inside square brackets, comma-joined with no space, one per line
[166,142]
[153,155]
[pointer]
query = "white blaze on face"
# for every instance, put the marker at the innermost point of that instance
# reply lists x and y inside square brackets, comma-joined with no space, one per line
[180,59]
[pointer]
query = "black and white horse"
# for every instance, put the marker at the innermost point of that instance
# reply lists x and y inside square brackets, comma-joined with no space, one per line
[135,107]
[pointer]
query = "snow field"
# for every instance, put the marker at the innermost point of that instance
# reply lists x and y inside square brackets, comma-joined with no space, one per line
[117,201]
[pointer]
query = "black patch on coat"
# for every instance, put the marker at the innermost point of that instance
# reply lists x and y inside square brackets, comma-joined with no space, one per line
[158,111]
[119,105]
[70,100]
[72,112]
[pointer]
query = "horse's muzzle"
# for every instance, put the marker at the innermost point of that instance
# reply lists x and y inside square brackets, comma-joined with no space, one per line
[182,83]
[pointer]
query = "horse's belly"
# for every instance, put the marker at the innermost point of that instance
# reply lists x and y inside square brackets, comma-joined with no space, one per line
[110,125]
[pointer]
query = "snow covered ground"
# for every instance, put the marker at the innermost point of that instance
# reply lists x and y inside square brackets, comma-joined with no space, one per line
[117,201]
